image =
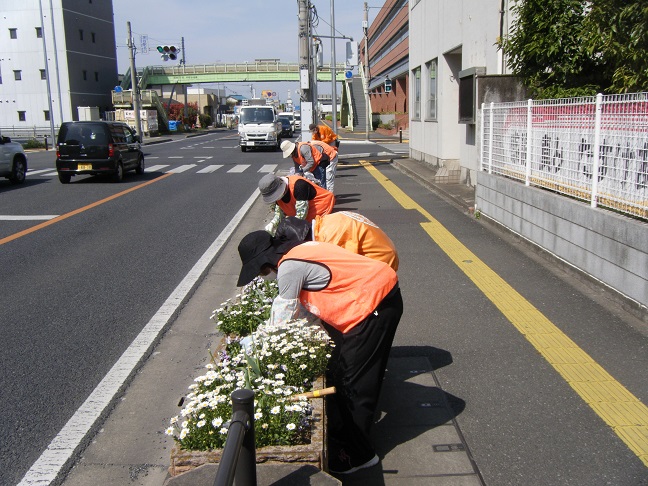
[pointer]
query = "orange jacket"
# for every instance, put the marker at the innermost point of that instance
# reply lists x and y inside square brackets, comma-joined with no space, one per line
[326,148]
[325,134]
[321,204]
[357,234]
[357,285]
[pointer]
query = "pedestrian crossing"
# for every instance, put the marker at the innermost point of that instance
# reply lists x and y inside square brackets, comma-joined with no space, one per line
[193,168]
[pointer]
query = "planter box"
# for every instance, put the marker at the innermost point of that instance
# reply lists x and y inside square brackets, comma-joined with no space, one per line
[307,454]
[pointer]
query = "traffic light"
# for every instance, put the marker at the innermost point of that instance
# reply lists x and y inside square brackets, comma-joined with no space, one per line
[387,85]
[168,52]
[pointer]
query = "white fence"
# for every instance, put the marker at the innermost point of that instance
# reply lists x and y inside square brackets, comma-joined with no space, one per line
[560,144]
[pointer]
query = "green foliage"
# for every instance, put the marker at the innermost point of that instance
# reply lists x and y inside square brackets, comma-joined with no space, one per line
[249,309]
[566,48]
[32,143]
[205,121]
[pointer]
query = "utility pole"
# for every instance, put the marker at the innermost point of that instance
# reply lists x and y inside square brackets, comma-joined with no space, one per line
[365,27]
[135,89]
[333,73]
[305,81]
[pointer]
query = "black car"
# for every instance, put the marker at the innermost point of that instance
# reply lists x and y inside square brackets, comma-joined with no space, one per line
[286,127]
[97,147]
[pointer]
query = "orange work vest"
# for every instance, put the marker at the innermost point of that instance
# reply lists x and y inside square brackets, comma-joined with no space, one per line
[299,159]
[328,150]
[356,233]
[321,204]
[325,134]
[357,286]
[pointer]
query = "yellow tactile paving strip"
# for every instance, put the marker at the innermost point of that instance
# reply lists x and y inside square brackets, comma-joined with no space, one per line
[619,408]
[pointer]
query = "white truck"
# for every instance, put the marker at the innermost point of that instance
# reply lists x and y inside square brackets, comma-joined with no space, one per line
[13,161]
[259,126]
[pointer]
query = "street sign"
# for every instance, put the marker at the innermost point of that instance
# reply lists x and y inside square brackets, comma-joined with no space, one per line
[348,74]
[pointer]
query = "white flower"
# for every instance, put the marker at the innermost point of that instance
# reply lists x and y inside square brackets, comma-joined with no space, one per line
[223,430]
[183,433]
[275,410]
[200,423]
[169,431]
[258,416]
[291,426]
[217,422]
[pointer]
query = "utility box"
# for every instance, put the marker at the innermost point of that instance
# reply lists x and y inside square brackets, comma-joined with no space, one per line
[88,113]
[148,118]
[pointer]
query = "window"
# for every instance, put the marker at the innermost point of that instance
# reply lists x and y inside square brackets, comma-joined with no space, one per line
[43,74]
[18,75]
[96,76]
[22,116]
[468,94]
[416,79]
[85,75]
[13,33]
[80,34]
[39,32]
[431,68]
[46,114]
[94,37]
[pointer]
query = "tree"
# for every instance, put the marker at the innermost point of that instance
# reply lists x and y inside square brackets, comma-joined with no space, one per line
[566,48]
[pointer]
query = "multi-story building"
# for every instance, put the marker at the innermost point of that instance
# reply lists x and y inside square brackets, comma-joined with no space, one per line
[55,56]
[455,65]
[388,55]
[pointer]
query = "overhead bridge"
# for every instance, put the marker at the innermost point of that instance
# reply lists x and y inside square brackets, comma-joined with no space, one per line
[227,73]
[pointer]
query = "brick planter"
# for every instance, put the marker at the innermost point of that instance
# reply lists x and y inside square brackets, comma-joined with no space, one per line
[307,454]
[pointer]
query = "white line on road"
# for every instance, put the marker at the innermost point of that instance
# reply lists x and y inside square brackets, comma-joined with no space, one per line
[238,168]
[34,172]
[43,217]
[182,168]
[62,448]
[268,168]
[176,157]
[209,169]
[154,168]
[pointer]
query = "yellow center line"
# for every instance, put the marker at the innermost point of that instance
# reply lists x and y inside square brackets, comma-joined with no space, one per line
[20,234]
[611,401]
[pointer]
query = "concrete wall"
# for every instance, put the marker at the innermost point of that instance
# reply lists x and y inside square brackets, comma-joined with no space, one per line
[607,246]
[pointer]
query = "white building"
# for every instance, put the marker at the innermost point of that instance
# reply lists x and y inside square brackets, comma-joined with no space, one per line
[455,65]
[55,56]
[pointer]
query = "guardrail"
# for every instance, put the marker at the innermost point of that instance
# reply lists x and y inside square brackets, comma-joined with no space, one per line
[594,148]
[239,454]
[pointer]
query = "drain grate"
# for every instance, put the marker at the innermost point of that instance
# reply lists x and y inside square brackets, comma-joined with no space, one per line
[449,448]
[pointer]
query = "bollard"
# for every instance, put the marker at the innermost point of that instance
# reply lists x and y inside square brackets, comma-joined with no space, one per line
[400,135]
[45,136]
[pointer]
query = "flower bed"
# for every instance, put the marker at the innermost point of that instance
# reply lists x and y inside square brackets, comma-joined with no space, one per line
[275,362]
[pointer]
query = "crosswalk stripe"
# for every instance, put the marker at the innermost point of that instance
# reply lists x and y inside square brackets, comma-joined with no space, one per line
[268,168]
[238,168]
[181,168]
[209,169]
[155,168]
[34,172]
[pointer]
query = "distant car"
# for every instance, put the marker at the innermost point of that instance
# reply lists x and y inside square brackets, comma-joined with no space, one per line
[13,161]
[291,117]
[286,127]
[97,147]
[297,121]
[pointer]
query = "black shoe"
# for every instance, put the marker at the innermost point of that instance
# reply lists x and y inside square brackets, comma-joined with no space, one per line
[343,463]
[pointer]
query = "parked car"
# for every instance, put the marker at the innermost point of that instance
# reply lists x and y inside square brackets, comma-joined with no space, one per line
[286,127]
[13,161]
[97,147]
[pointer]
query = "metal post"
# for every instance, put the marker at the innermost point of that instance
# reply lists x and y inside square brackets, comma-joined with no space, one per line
[490,139]
[47,77]
[333,73]
[400,135]
[529,128]
[366,36]
[134,88]
[597,150]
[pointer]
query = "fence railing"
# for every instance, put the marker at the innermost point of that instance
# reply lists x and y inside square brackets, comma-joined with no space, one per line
[239,454]
[561,144]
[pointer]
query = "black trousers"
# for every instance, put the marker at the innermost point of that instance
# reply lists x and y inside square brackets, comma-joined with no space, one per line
[357,368]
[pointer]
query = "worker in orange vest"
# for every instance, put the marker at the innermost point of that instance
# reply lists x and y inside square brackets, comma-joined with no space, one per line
[359,303]
[324,134]
[294,196]
[345,229]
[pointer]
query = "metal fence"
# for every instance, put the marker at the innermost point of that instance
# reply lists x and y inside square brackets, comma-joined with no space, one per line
[560,145]
[24,133]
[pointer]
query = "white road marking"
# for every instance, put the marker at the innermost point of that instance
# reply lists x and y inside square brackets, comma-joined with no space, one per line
[155,168]
[209,169]
[268,168]
[48,466]
[34,172]
[238,168]
[43,217]
[182,168]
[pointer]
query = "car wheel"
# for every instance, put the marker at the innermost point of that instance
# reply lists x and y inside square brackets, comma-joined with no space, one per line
[18,171]
[64,178]
[118,176]
[243,149]
[140,166]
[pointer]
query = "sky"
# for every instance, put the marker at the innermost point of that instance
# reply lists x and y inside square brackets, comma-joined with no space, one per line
[226,31]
